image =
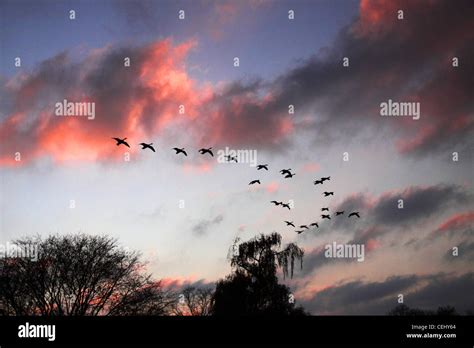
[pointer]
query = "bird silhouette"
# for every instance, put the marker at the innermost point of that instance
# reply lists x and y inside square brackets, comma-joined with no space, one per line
[304,226]
[339,212]
[285,171]
[326,217]
[299,232]
[328,194]
[149,146]
[286,205]
[324,209]
[254,182]
[326,178]
[356,213]
[230,159]
[204,150]
[262,166]
[289,175]
[121,141]
[290,223]
[276,203]
[314,224]
[316,182]
[180,151]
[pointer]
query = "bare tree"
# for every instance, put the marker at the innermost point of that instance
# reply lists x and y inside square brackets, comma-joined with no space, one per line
[194,301]
[79,275]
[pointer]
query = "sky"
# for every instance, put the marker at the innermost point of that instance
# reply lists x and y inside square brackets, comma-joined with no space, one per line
[183,213]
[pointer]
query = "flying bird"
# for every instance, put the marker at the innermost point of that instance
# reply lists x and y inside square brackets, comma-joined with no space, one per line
[286,205]
[299,232]
[324,209]
[180,151]
[290,223]
[339,212]
[328,194]
[356,213]
[230,158]
[304,226]
[326,178]
[289,175]
[314,224]
[204,150]
[149,146]
[326,217]
[316,182]
[254,182]
[262,166]
[285,171]
[121,141]
[276,203]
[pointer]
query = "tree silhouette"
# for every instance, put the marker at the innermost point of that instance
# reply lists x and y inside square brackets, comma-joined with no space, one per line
[404,310]
[79,275]
[253,288]
[194,301]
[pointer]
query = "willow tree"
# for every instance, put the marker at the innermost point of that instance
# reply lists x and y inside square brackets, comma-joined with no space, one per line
[252,288]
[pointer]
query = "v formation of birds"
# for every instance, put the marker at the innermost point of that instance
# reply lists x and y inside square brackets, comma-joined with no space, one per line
[287,174]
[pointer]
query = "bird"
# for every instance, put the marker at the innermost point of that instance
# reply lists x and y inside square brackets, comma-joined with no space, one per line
[326,178]
[314,224]
[285,171]
[149,146]
[304,226]
[121,141]
[339,212]
[286,205]
[299,232]
[204,150]
[324,209]
[326,217]
[276,203]
[262,166]
[180,151]
[290,223]
[230,158]
[254,182]
[356,213]
[318,182]
[289,175]
[328,194]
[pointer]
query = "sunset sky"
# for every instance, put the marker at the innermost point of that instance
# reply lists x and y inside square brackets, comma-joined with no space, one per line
[283,62]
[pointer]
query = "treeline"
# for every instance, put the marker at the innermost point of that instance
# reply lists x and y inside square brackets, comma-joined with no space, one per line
[83,275]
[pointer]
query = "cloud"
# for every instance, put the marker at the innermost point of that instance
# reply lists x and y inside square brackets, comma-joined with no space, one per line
[378,297]
[203,226]
[460,223]
[179,284]
[137,101]
[345,102]
[140,102]
[419,203]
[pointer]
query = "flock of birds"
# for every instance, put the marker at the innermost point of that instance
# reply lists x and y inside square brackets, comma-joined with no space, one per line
[287,174]
[178,150]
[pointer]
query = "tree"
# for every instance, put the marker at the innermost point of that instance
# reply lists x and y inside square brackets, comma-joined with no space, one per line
[78,275]
[194,301]
[404,310]
[253,288]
